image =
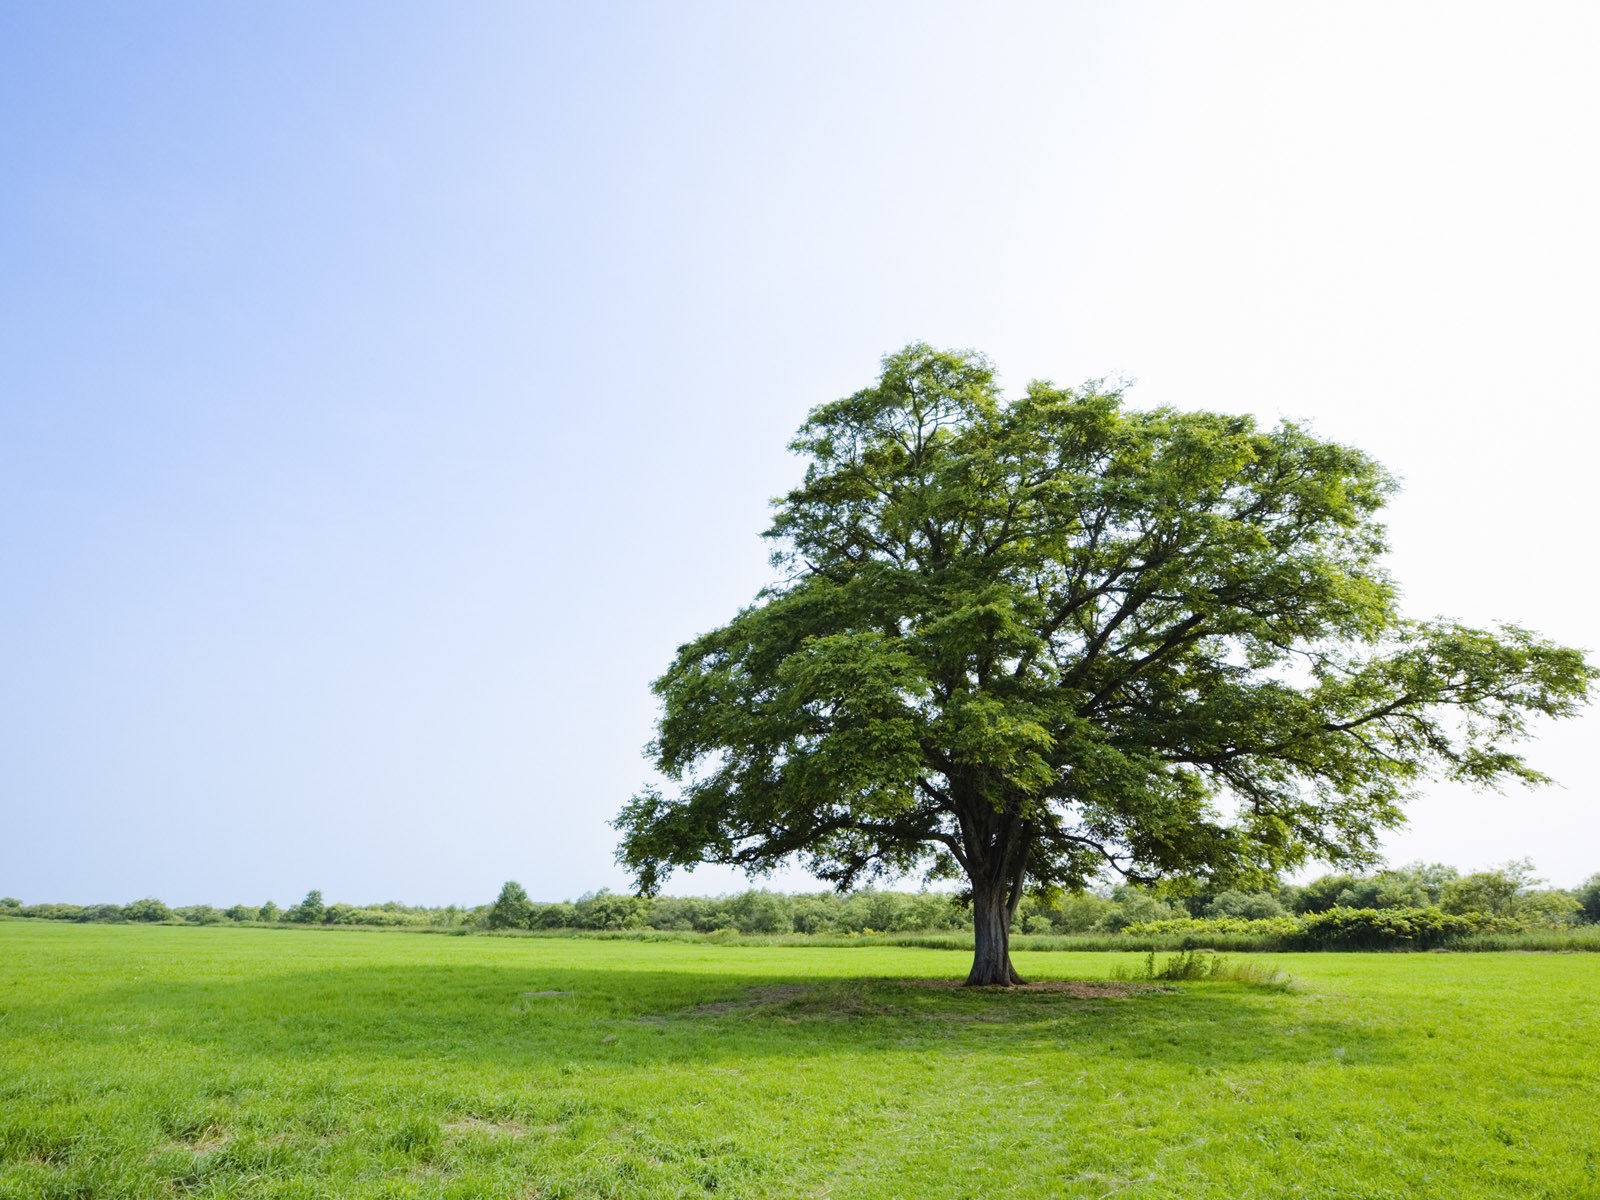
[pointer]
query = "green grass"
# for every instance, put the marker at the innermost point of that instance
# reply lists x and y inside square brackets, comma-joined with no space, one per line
[165,1062]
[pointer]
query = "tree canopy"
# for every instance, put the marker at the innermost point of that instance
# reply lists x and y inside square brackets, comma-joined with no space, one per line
[1036,642]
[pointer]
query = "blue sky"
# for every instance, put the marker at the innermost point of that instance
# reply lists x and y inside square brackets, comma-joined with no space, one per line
[386,390]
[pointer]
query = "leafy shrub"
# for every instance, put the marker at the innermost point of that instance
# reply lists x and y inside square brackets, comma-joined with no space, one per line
[606,909]
[309,911]
[1549,909]
[1136,907]
[1395,928]
[512,908]
[1588,898]
[148,909]
[553,916]
[1284,926]
[1251,906]
[54,912]
[200,914]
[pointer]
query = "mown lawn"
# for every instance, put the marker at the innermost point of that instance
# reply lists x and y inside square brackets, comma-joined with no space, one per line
[164,1062]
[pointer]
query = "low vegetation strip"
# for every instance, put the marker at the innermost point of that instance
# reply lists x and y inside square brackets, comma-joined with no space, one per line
[140,1062]
[1424,905]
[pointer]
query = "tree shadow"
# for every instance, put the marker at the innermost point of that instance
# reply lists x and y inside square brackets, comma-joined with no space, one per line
[542,1014]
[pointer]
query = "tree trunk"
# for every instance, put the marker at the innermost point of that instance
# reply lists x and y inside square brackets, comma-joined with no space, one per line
[991,927]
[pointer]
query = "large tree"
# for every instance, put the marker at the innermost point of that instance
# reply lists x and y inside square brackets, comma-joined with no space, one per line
[1031,643]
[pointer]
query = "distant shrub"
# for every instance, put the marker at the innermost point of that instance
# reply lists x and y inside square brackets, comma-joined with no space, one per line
[1588,898]
[512,908]
[309,911]
[1134,906]
[760,912]
[200,914]
[1396,928]
[606,909]
[1251,906]
[53,912]
[553,916]
[1284,926]
[148,909]
[1549,909]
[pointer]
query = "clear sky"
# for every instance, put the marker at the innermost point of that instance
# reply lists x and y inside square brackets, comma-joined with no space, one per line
[387,389]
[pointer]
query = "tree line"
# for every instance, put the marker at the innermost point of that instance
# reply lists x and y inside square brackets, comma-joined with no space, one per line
[1510,892]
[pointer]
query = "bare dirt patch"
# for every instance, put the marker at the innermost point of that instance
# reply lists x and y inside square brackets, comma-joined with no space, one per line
[834,1000]
[1078,989]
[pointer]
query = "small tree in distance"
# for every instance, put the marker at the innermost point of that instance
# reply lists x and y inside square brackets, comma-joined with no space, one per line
[1029,644]
[309,911]
[512,908]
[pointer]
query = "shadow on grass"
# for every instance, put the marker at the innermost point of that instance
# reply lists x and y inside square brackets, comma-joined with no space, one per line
[509,1015]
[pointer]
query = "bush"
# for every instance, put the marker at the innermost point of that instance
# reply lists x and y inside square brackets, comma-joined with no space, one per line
[309,911]
[606,909]
[1395,928]
[1588,898]
[553,916]
[1549,909]
[200,914]
[53,912]
[1279,927]
[148,909]
[760,912]
[512,908]
[1135,907]
[1252,906]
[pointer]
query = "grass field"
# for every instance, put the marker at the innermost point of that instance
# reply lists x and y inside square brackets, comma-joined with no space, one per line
[164,1062]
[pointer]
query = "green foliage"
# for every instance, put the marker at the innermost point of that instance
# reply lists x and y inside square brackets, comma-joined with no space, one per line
[200,914]
[1341,928]
[1022,642]
[1136,906]
[1588,898]
[554,916]
[1267,927]
[53,912]
[309,911]
[607,910]
[271,913]
[1251,906]
[148,909]
[512,908]
[1396,928]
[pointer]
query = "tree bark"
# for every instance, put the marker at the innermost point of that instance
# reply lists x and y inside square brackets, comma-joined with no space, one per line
[991,928]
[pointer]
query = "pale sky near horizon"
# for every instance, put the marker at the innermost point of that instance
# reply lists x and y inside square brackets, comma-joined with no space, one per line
[387,389]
